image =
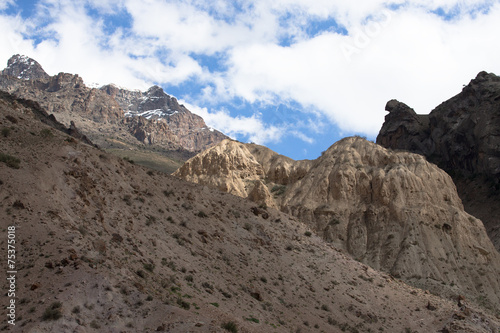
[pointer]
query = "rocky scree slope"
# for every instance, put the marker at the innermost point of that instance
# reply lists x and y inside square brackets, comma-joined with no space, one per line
[107,246]
[391,210]
[152,118]
[461,136]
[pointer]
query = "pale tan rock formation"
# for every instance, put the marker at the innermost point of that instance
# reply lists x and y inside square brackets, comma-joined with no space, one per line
[391,210]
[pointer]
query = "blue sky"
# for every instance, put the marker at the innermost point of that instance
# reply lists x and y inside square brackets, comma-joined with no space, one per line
[294,75]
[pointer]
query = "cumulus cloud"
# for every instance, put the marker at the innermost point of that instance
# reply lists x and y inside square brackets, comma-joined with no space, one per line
[5,3]
[269,52]
[252,127]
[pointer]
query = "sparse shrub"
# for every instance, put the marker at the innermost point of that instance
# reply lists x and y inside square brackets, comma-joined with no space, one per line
[11,161]
[207,285]
[11,119]
[247,226]
[141,273]
[6,131]
[325,307]
[215,304]
[168,193]
[116,238]
[334,221]
[94,324]
[150,173]
[53,312]
[149,267]
[183,304]
[253,320]
[126,158]
[202,214]
[149,298]
[308,234]
[172,265]
[150,219]
[263,279]
[230,326]
[46,133]
[127,199]
[189,278]
[278,189]
[83,230]
[76,309]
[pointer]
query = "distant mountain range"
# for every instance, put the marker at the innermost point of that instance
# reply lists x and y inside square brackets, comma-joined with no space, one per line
[112,117]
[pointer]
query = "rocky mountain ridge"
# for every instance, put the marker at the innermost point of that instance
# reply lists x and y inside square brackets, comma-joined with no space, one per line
[104,245]
[152,117]
[391,210]
[462,136]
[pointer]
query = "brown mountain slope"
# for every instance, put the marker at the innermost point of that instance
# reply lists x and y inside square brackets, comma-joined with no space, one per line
[103,245]
[391,210]
[462,136]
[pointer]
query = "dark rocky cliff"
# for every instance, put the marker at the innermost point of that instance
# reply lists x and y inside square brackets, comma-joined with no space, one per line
[462,136]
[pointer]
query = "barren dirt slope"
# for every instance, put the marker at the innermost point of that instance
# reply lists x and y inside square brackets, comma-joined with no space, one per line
[107,246]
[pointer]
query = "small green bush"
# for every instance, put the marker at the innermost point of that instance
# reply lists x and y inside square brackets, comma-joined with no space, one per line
[6,131]
[46,133]
[308,233]
[149,267]
[11,161]
[230,326]
[53,312]
[202,214]
[183,304]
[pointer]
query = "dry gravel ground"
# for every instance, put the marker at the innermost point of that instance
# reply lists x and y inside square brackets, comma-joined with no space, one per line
[107,246]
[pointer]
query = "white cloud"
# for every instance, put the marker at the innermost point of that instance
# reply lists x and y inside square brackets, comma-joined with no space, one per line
[5,3]
[410,53]
[416,57]
[252,127]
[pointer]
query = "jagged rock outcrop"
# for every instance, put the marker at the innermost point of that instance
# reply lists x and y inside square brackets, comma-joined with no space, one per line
[391,210]
[245,170]
[152,117]
[228,166]
[462,136]
[63,94]
[25,68]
